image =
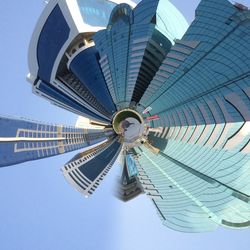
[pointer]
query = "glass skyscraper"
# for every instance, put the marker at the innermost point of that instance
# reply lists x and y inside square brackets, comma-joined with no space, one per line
[174,101]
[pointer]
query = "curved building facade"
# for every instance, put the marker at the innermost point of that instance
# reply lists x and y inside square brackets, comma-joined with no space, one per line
[181,93]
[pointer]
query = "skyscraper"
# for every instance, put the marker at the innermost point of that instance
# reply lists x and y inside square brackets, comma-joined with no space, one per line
[23,140]
[174,101]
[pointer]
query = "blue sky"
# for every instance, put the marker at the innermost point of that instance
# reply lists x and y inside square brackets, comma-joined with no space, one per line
[39,209]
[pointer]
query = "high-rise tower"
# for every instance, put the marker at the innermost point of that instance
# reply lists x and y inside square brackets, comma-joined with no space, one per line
[23,140]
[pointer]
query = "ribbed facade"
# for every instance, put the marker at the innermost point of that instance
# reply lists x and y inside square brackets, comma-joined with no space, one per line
[133,47]
[203,102]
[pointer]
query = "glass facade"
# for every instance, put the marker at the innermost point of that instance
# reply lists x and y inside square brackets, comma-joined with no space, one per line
[95,12]
[23,140]
[51,39]
[139,46]
[201,94]
[85,67]
[58,96]
[131,166]
[87,170]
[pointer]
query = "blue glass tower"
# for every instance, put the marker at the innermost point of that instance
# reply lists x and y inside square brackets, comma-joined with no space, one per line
[23,140]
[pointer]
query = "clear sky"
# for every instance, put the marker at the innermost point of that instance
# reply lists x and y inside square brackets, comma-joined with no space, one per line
[39,210]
